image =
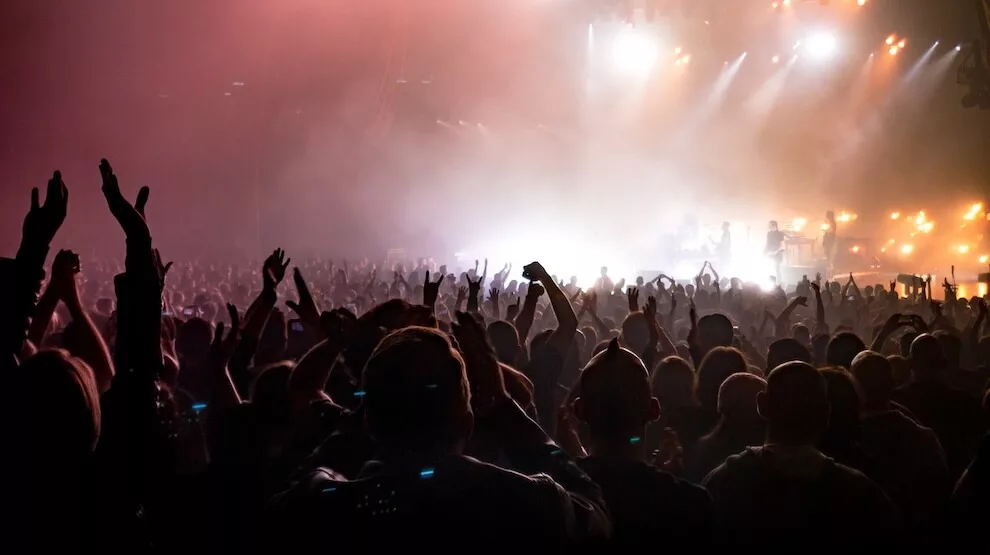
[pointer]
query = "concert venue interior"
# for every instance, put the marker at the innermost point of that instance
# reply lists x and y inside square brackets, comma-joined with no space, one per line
[580,133]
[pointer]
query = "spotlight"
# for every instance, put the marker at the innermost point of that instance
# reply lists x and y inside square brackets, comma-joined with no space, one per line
[902,43]
[861,3]
[822,45]
[894,50]
[891,39]
[907,249]
[775,59]
[958,47]
[634,51]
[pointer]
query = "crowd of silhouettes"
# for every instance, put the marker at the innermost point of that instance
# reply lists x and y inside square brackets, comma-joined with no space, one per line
[210,406]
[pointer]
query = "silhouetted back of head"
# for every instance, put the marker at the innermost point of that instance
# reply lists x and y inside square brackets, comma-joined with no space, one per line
[737,396]
[615,394]
[505,339]
[416,395]
[951,347]
[715,330]
[875,376]
[795,404]
[927,361]
[193,341]
[635,333]
[674,383]
[60,404]
[270,393]
[786,350]
[843,348]
[717,366]
[844,407]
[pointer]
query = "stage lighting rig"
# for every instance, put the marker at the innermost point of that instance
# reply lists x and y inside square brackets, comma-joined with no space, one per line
[975,70]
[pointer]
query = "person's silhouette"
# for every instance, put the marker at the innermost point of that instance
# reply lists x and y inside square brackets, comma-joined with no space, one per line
[787,491]
[417,405]
[646,504]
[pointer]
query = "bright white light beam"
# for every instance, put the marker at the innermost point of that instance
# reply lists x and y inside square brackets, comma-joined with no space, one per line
[821,46]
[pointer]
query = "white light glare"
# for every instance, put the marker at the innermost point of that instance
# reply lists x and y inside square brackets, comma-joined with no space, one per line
[634,51]
[822,45]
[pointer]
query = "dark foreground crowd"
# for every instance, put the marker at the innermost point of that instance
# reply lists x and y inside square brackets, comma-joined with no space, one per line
[214,407]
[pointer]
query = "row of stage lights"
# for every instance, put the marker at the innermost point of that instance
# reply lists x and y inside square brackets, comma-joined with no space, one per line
[784,4]
[638,51]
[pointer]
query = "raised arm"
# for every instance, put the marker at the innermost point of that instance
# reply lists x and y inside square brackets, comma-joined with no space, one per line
[22,276]
[92,347]
[567,323]
[524,321]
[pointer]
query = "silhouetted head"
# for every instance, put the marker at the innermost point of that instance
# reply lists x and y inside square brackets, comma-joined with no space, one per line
[786,350]
[62,408]
[901,369]
[604,271]
[416,395]
[717,366]
[615,400]
[505,339]
[192,342]
[875,376]
[737,396]
[795,404]
[714,330]
[635,332]
[951,348]
[674,383]
[843,348]
[927,361]
[801,333]
[773,225]
[725,226]
[270,393]
[844,407]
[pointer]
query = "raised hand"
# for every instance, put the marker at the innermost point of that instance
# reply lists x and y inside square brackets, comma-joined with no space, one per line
[534,271]
[650,312]
[513,309]
[162,268]
[338,326]
[474,287]
[273,270]
[431,290]
[632,295]
[65,267]
[44,220]
[461,295]
[306,308]
[590,304]
[130,217]
[535,289]
[493,297]
[484,373]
